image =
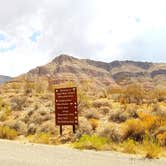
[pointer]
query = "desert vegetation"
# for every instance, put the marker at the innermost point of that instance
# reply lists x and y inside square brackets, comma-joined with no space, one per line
[130,119]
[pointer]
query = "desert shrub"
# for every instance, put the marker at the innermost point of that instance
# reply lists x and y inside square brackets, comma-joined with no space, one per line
[134,129]
[92,113]
[133,93]
[151,148]
[111,132]
[129,146]
[17,103]
[132,110]
[159,130]
[40,116]
[159,111]
[5,111]
[31,129]
[101,103]
[161,122]
[20,127]
[7,133]
[41,138]
[36,118]
[47,127]
[84,127]
[148,121]
[28,87]
[3,116]
[123,114]
[15,85]
[26,116]
[104,110]
[83,100]
[162,139]
[17,125]
[94,123]
[118,116]
[91,142]
[40,86]
[160,94]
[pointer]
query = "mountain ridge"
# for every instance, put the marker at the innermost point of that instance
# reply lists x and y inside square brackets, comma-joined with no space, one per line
[118,71]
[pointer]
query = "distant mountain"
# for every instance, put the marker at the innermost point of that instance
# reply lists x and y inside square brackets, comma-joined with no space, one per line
[4,79]
[65,67]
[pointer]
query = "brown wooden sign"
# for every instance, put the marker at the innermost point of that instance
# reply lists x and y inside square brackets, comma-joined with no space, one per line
[66,111]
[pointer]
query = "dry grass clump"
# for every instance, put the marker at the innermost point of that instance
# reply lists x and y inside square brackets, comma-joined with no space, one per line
[134,129]
[104,102]
[7,133]
[92,113]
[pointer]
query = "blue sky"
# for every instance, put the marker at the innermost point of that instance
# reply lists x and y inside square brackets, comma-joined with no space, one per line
[2,37]
[32,32]
[35,36]
[6,49]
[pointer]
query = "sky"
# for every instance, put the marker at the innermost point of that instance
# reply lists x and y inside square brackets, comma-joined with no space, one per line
[33,32]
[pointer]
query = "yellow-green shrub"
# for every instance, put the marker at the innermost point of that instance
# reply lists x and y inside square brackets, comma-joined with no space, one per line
[8,133]
[129,146]
[91,142]
[42,138]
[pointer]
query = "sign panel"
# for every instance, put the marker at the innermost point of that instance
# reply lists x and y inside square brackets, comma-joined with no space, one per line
[66,111]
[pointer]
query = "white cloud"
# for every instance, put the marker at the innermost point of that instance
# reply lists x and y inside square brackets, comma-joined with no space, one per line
[103,30]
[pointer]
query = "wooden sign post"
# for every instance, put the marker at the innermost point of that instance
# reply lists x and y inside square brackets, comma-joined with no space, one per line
[66,112]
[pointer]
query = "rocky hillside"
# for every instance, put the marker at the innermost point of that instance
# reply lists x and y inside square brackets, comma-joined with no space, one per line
[4,79]
[68,68]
